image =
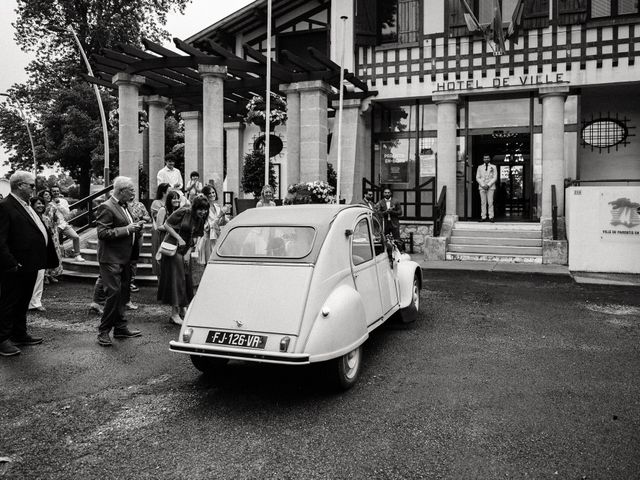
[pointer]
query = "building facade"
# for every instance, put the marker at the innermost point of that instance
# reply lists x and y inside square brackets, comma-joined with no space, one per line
[557,101]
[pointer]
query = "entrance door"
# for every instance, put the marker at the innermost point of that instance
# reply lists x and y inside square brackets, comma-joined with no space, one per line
[510,153]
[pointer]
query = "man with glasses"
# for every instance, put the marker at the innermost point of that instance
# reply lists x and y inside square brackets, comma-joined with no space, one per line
[26,246]
[62,206]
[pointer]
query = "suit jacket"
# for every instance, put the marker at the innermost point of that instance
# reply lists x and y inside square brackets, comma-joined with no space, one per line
[487,176]
[371,204]
[115,243]
[389,215]
[21,240]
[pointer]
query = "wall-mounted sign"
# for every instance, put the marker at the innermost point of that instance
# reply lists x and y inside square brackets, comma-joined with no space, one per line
[394,163]
[619,218]
[428,165]
[500,82]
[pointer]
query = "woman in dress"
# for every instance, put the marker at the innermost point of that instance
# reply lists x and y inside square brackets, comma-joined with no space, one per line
[156,235]
[175,287]
[266,197]
[51,219]
[38,204]
[216,219]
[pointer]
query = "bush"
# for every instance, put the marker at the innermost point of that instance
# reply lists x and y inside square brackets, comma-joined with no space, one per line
[253,173]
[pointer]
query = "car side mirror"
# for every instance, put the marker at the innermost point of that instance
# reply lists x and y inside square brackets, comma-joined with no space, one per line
[348,232]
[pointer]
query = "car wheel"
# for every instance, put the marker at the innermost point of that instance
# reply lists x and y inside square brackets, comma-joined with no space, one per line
[410,312]
[347,368]
[208,365]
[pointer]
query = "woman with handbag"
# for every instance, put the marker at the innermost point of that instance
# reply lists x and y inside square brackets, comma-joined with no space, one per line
[183,226]
[217,218]
[156,234]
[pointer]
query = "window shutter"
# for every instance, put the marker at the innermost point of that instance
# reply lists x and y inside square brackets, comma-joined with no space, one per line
[572,11]
[457,25]
[408,21]
[535,14]
[366,24]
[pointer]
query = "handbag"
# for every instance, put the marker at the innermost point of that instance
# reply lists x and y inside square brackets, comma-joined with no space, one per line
[167,248]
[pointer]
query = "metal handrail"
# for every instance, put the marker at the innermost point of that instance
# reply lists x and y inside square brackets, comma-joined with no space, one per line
[419,205]
[554,212]
[577,183]
[89,214]
[440,210]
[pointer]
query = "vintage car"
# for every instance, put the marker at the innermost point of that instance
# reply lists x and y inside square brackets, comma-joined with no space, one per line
[297,285]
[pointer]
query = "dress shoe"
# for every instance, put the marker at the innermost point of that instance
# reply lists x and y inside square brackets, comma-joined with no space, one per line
[8,349]
[95,308]
[39,309]
[134,288]
[175,319]
[126,333]
[131,306]
[104,339]
[27,340]
[53,280]
[492,220]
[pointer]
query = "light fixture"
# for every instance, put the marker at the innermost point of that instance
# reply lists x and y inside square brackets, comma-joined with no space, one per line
[503,134]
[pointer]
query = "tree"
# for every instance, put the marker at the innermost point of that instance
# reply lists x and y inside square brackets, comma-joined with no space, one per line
[56,97]
[253,173]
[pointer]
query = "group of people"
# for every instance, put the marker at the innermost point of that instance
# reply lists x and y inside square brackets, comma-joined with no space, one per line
[388,210]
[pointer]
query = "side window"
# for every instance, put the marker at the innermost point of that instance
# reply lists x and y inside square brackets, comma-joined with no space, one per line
[361,243]
[378,237]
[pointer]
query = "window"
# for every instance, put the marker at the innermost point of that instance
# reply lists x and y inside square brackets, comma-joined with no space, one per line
[610,8]
[268,241]
[578,11]
[604,133]
[534,15]
[361,250]
[387,21]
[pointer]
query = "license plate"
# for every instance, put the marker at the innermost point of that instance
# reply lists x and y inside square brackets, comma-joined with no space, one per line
[236,339]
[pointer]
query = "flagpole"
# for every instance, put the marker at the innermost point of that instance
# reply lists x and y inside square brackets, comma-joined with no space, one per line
[267,110]
[340,105]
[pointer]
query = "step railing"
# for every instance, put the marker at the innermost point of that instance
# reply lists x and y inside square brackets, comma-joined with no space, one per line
[439,211]
[554,212]
[87,215]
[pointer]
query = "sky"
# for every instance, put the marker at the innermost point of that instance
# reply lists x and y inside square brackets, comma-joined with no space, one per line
[198,15]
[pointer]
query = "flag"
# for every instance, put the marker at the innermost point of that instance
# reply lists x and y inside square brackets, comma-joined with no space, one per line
[496,26]
[516,21]
[470,19]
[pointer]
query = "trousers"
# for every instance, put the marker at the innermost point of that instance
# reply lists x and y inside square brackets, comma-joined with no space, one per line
[486,202]
[15,292]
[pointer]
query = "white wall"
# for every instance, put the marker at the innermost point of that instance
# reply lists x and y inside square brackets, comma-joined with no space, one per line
[433,16]
[625,161]
[595,243]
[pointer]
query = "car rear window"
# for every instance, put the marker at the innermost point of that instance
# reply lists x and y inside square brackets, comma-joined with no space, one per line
[268,241]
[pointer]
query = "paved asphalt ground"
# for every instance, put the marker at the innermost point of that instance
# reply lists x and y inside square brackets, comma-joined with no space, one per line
[503,376]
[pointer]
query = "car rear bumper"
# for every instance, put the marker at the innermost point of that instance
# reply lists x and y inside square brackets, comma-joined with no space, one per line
[247,354]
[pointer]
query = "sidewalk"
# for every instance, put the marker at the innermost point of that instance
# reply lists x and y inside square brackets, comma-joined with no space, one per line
[543,269]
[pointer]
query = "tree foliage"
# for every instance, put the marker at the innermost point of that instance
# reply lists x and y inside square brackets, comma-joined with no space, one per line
[61,106]
[253,173]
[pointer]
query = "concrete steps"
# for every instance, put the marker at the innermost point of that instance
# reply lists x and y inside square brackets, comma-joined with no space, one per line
[496,242]
[89,269]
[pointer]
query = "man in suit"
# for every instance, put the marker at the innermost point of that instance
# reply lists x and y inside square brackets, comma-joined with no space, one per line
[486,176]
[368,199]
[116,237]
[389,210]
[26,246]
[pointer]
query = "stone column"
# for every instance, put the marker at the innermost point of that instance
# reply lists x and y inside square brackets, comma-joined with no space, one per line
[213,77]
[193,133]
[313,130]
[129,138]
[446,148]
[157,106]
[234,157]
[351,174]
[292,146]
[552,99]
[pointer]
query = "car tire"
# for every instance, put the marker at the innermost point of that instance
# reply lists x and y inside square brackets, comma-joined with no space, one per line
[410,313]
[346,369]
[208,365]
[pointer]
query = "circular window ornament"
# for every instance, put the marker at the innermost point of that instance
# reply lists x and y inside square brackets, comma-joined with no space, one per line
[604,133]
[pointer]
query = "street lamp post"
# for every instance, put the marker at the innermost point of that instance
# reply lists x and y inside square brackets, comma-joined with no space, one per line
[26,123]
[103,118]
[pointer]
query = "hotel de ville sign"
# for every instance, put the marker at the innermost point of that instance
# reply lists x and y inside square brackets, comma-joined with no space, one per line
[501,82]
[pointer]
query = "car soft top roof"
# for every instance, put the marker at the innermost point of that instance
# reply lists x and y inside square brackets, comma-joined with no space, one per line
[318,216]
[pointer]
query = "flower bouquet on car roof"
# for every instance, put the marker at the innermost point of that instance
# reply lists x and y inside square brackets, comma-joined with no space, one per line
[310,192]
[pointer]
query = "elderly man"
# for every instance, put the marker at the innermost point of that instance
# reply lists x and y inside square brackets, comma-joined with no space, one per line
[26,246]
[116,237]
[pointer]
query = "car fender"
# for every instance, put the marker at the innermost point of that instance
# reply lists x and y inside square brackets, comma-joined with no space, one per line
[342,330]
[406,270]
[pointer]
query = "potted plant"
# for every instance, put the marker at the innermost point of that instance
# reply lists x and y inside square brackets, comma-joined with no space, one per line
[310,192]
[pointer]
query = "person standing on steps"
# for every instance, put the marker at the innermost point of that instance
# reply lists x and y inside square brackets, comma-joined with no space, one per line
[486,176]
[116,237]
